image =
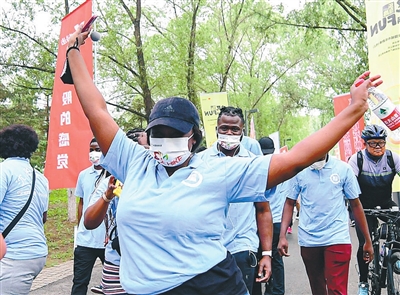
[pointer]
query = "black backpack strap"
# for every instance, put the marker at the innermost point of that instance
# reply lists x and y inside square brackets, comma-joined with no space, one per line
[360,160]
[390,161]
[23,210]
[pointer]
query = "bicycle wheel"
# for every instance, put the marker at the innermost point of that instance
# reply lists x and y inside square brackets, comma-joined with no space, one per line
[374,270]
[394,276]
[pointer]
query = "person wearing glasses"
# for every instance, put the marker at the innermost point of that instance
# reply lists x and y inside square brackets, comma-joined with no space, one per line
[375,168]
[173,208]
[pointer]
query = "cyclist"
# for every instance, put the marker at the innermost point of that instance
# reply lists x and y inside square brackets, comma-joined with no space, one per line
[375,177]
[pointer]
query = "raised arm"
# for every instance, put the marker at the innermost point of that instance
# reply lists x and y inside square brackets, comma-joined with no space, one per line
[102,124]
[284,166]
[94,214]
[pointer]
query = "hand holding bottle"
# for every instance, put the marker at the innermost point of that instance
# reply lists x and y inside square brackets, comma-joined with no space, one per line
[383,107]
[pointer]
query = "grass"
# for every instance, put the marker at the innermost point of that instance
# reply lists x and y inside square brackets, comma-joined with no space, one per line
[58,230]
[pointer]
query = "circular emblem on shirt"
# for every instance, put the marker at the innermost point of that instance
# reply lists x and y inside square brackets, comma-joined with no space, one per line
[335,178]
[194,179]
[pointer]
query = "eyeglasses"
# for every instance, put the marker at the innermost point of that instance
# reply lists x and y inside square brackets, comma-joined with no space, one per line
[374,144]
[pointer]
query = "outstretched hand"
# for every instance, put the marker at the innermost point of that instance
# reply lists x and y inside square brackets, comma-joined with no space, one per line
[359,89]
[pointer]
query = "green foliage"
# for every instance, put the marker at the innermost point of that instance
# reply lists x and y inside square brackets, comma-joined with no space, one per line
[289,66]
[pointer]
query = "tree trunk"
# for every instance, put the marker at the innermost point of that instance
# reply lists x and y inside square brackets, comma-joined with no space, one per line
[71,205]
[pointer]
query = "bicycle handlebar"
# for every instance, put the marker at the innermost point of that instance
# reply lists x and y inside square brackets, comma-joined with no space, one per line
[392,213]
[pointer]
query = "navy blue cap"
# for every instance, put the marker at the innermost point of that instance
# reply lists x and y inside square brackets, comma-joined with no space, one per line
[267,145]
[175,112]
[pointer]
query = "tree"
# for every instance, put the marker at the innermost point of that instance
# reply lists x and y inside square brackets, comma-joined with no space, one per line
[287,65]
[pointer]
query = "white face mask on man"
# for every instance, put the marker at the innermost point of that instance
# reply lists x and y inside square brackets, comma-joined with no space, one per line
[94,157]
[170,152]
[229,142]
[318,165]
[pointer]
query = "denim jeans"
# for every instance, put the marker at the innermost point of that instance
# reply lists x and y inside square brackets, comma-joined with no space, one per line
[247,262]
[84,259]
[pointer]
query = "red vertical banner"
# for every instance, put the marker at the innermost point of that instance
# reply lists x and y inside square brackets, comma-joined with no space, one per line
[351,142]
[69,131]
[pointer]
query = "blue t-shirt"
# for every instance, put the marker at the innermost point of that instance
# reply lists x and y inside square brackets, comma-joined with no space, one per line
[277,198]
[110,254]
[241,227]
[171,227]
[85,189]
[26,240]
[323,216]
[251,145]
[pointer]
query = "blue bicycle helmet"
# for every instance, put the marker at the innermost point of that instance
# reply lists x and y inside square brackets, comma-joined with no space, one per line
[373,132]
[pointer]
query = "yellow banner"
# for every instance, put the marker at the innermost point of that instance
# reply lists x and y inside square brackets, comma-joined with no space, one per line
[384,57]
[211,104]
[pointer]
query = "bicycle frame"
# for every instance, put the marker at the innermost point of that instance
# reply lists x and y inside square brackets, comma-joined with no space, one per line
[381,270]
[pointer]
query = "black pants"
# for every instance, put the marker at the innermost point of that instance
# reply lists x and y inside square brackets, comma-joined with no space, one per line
[225,278]
[84,259]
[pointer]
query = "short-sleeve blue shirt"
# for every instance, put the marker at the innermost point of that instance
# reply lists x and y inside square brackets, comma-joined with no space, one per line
[26,240]
[276,197]
[241,227]
[170,227]
[323,216]
[85,189]
[251,145]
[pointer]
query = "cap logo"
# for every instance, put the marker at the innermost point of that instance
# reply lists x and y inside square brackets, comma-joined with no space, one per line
[168,109]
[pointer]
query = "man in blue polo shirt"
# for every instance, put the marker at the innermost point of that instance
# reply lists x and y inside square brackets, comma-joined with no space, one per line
[323,229]
[90,243]
[240,237]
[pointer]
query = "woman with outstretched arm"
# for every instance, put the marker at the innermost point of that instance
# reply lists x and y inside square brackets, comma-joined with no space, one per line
[172,211]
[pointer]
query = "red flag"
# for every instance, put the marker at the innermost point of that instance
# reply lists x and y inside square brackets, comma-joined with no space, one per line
[351,142]
[69,131]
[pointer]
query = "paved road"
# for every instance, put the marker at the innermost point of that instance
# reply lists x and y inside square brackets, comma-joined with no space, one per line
[58,280]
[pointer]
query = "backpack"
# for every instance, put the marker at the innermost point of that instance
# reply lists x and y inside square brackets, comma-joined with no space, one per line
[389,160]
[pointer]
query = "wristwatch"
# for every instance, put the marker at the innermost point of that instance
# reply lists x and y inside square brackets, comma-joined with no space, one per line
[267,253]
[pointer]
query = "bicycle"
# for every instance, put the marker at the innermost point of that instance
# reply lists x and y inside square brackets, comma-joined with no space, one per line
[384,269]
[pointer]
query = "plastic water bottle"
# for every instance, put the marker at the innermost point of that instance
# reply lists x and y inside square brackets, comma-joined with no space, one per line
[384,108]
[381,105]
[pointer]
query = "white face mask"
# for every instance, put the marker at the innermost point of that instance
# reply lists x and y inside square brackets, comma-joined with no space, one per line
[170,152]
[229,142]
[94,157]
[318,165]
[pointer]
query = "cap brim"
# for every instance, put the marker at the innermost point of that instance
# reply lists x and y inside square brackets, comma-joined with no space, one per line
[180,125]
[267,151]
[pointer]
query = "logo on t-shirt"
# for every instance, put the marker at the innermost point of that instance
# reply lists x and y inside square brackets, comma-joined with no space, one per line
[194,179]
[335,178]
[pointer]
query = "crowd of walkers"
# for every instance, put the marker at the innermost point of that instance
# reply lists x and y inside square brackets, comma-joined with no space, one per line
[167,218]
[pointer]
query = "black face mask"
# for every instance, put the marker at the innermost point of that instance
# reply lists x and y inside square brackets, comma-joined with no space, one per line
[66,75]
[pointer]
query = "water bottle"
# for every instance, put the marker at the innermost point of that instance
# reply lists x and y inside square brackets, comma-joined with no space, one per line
[384,108]
[381,105]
